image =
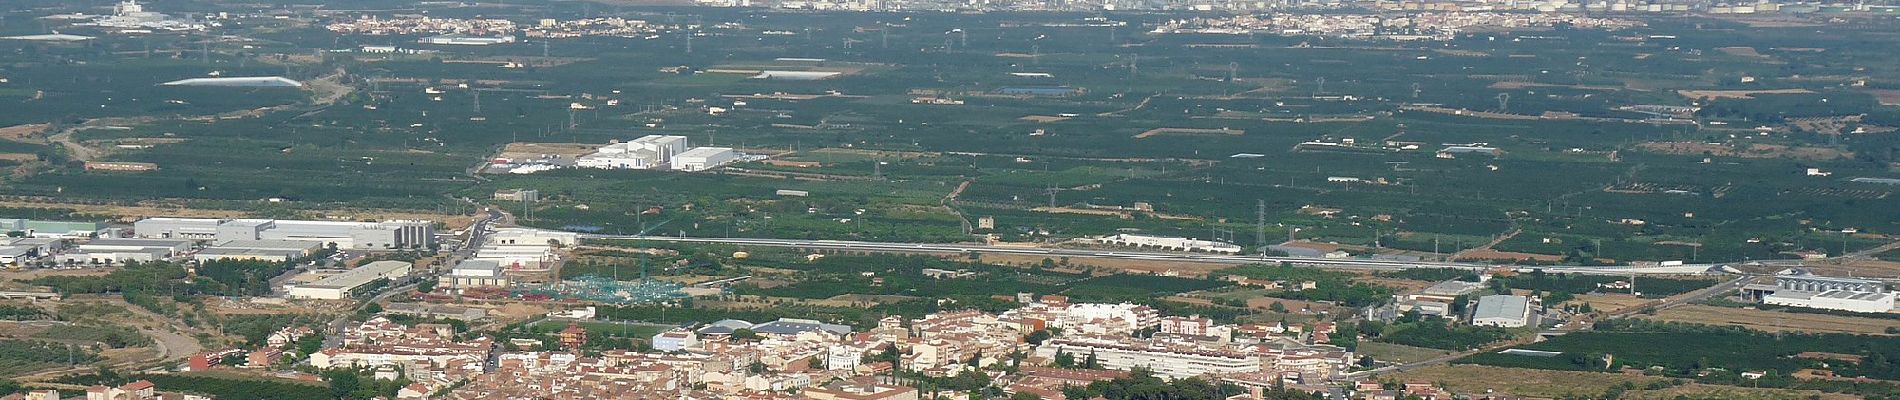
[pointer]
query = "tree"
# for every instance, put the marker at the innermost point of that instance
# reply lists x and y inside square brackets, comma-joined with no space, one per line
[743,334]
[1024,396]
[1064,359]
[1091,362]
[1277,307]
[816,363]
[756,367]
[425,286]
[1036,338]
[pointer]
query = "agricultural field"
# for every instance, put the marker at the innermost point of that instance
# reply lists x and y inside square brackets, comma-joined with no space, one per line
[1777,321]
[1704,353]
[1575,171]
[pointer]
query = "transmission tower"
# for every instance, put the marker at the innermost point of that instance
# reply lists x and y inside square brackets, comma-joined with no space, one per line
[1504,102]
[1260,222]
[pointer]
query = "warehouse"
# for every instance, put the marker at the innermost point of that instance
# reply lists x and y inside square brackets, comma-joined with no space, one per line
[1503,311]
[1797,287]
[167,247]
[51,229]
[263,250]
[113,257]
[474,274]
[350,283]
[704,158]
[387,235]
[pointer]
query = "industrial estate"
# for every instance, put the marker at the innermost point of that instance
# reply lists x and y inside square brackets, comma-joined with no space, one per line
[922,199]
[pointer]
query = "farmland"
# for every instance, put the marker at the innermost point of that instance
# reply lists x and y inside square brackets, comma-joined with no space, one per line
[399,133]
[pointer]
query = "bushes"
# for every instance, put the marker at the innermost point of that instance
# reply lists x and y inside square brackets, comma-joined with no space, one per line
[1685,349]
[1334,286]
[19,356]
[12,312]
[239,389]
[1438,335]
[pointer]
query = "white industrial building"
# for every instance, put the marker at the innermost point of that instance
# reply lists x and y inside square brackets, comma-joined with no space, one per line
[1800,288]
[675,340]
[386,235]
[345,285]
[1169,243]
[704,158]
[646,152]
[1505,311]
[262,250]
[473,274]
[524,249]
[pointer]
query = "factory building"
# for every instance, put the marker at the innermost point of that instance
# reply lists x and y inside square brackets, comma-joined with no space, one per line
[704,158]
[114,251]
[474,274]
[1169,243]
[1801,288]
[646,152]
[1505,311]
[387,235]
[262,250]
[349,283]
[51,229]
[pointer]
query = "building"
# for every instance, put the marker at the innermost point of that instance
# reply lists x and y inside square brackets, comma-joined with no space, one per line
[675,340]
[474,274]
[704,158]
[466,40]
[112,251]
[522,195]
[385,235]
[860,389]
[1169,359]
[1169,243]
[51,229]
[139,390]
[662,146]
[573,336]
[120,166]
[1801,288]
[350,283]
[1505,311]
[788,327]
[262,250]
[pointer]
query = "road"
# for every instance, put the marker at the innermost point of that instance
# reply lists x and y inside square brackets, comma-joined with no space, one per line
[965,248]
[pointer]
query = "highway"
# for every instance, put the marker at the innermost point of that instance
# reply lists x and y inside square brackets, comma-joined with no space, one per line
[966,248]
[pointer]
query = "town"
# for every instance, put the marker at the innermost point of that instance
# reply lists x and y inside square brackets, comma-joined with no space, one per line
[920,199]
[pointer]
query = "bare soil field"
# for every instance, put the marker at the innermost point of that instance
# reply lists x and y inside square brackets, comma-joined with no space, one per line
[537,150]
[1486,254]
[1776,321]
[1740,51]
[1397,285]
[1558,384]
[20,133]
[1609,302]
[1736,94]
[1887,97]
[18,157]
[1189,131]
[1513,85]
[1398,353]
